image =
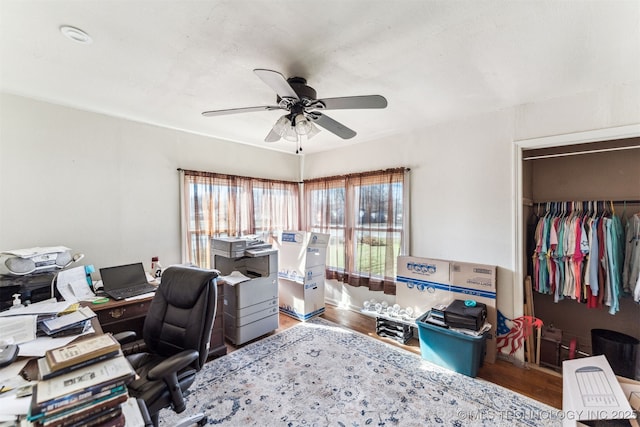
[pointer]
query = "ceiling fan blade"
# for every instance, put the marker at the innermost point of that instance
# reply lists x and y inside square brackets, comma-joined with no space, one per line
[277,82]
[272,136]
[348,102]
[240,110]
[331,125]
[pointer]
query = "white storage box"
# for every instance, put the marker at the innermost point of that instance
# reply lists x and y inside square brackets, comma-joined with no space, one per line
[300,251]
[301,300]
[591,391]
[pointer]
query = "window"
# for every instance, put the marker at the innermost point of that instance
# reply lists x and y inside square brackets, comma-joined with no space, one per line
[218,205]
[365,216]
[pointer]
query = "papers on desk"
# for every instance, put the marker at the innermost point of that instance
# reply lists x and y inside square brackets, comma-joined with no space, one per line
[10,404]
[50,306]
[16,326]
[73,286]
[18,329]
[78,318]
[39,346]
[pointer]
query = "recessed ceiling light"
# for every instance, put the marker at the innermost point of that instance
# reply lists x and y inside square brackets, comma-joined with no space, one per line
[76,34]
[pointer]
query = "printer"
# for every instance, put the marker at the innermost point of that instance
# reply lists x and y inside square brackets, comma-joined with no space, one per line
[250,307]
[236,247]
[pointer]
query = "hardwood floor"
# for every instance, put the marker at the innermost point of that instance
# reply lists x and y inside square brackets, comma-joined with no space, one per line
[538,384]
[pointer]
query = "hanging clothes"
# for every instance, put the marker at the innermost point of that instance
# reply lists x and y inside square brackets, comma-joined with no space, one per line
[631,267]
[580,254]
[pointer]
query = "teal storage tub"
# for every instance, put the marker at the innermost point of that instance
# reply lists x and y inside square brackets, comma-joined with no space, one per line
[451,349]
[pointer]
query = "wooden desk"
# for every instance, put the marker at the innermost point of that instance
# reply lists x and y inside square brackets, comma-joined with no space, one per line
[118,316]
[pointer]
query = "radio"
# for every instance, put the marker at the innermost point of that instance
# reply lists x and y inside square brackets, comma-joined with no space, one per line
[34,260]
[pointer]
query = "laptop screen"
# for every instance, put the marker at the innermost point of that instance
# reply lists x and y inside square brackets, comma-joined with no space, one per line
[123,276]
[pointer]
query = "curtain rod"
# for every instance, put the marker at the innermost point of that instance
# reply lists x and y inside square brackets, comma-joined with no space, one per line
[303,181]
[359,174]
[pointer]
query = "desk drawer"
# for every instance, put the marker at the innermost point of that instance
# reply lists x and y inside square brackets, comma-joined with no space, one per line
[123,312]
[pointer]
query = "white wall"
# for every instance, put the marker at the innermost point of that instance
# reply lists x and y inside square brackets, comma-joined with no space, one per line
[105,186]
[465,183]
[109,187]
[461,192]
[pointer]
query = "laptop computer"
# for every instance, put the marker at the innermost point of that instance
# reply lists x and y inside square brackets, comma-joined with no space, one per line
[124,281]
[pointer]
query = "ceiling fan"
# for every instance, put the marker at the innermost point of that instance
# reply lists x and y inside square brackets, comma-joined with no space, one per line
[303,109]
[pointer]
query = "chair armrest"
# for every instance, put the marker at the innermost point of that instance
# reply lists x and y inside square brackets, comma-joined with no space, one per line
[172,364]
[167,370]
[125,337]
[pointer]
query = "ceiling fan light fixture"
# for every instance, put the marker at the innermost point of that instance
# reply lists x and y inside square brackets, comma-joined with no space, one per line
[281,125]
[290,134]
[313,130]
[302,106]
[302,125]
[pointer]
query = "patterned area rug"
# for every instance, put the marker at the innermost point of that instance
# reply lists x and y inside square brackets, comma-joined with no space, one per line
[320,374]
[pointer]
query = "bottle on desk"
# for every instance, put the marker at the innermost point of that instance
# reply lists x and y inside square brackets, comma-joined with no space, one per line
[156,268]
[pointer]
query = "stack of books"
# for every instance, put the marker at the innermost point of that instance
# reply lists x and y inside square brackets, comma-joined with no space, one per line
[82,384]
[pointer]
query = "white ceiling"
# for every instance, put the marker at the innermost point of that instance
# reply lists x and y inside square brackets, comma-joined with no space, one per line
[164,62]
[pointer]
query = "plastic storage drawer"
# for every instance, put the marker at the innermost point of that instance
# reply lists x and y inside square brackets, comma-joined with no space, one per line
[451,349]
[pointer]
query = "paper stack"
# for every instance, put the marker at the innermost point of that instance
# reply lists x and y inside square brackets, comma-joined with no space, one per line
[83,384]
[72,323]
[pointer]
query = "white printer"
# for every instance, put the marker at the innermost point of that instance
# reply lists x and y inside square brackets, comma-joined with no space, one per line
[250,306]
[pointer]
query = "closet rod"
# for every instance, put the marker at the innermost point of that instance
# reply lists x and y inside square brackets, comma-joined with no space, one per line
[575,153]
[617,202]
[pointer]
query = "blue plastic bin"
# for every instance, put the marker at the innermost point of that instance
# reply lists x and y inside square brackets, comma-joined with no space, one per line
[451,349]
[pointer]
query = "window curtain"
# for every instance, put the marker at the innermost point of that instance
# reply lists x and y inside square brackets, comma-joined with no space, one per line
[366,216]
[218,205]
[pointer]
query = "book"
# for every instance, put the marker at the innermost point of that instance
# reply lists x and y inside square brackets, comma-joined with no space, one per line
[45,372]
[80,351]
[100,418]
[93,395]
[73,415]
[120,421]
[81,384]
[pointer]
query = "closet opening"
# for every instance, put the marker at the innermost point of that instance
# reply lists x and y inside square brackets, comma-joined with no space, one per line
[567,193]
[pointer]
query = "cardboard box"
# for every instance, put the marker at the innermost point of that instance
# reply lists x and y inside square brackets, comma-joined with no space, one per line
[478,282]
[300,251]
[591,391]
[631,390]
[309,274]
[423,283]
[301,300]
[477,279]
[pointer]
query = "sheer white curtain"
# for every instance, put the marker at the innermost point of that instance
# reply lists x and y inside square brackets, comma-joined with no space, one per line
[366,215]
[218,205]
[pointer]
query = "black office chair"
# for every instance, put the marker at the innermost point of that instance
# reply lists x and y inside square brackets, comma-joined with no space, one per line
[176,332]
